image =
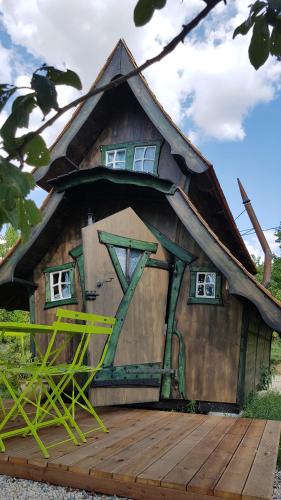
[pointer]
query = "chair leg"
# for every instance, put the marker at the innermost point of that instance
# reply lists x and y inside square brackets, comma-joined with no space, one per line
[89,407]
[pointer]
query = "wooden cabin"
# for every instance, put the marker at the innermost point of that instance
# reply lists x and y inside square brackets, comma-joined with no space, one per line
[136,225]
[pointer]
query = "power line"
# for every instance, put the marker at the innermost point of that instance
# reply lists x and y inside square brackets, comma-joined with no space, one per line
[246,232]
[240,214]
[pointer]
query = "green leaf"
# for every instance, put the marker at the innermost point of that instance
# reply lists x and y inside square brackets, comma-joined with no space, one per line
[243,28]
[275,42]
[275,5]
[46,93]
[28,217]
[67,77]
[260,43]
[37,153]
[144,10]
[257,7]
[6,91]
[19,117]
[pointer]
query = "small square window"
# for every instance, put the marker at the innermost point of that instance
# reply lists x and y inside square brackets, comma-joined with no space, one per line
[144,159]
[116,158]
[59,281]
[205,286]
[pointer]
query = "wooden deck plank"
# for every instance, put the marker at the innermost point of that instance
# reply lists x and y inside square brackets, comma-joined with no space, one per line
[160,468]
[105,468]
[118,421]
[232,482]
[157,455]
[129,470]
[207,477]
[184,471]
[260,480]
[100,451]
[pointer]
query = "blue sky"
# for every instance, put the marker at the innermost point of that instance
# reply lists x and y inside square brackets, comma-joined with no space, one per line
[229,111]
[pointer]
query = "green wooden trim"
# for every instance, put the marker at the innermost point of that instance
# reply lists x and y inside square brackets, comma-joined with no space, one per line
[130,151]
[119,271]
[123,309]
[60,267]
[76,252]
[90,176]
[121,241]
[159,264]
[181,365]
[174,295]
[217,300]
[47,288]
[62,302]
[172,247]
[131,372]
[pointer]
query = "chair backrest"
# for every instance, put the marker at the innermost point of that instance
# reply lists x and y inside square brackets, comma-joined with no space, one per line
[89,324]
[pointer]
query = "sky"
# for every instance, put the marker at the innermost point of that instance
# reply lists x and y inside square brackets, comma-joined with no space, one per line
[230,111]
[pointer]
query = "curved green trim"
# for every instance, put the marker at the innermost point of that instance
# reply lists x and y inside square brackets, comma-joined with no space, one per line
[62,302]
[172,247]
[60,267]
[174,295]
[96,174]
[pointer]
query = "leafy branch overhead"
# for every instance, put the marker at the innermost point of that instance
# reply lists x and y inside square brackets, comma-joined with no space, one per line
[30,148]
[265,21]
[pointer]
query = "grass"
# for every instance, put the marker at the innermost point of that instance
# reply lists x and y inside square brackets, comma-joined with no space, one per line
[267,406]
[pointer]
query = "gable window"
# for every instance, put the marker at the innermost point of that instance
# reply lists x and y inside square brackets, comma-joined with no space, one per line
[205,286]
[59,285]
[139,157]
[115,158]
[128,259]
[144,159]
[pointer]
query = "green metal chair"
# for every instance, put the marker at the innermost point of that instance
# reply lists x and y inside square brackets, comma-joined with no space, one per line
[53,378]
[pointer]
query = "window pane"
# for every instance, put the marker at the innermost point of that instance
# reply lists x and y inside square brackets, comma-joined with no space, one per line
[56,293]
[66,292]
[134,258]
[65,277]
[55,277]
[148,166]
[119,164]
[210,290]
[200,290]
[120,155]
[121,254]
[201,277]
[211,278]
[138,166]
[150,153]
[139,153]
[109,157]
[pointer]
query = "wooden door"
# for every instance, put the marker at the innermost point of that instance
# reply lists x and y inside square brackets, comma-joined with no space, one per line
[128,269]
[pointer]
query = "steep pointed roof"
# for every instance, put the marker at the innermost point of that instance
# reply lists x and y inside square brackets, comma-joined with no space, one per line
[120,62]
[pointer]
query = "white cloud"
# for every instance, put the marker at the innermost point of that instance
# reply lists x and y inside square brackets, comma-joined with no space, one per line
[207,79]
[254,247]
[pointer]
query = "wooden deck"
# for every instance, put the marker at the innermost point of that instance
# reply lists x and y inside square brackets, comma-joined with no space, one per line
[157,455]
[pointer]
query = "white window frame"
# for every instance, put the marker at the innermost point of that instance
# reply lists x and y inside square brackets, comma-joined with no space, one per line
[115,151]
[143,159]
[59,285]
[204,284]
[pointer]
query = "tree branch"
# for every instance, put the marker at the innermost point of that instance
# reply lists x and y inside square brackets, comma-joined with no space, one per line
[186,29]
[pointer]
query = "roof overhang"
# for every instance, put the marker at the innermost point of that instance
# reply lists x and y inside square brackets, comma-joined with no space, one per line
[240,281]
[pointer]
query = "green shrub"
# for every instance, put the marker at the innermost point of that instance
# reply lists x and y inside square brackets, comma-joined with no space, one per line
[276,349]
[267,406]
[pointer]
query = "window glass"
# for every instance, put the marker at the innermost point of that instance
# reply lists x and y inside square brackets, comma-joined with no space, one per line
[128,259]
[60,285]
[116,158]
[144,159]
[206,285]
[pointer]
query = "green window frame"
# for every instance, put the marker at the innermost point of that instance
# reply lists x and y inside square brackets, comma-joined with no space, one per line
[196,299]
[49,272]
[130,148]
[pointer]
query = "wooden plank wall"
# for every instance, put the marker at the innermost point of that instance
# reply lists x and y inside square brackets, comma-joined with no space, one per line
[257,352]
[131,124]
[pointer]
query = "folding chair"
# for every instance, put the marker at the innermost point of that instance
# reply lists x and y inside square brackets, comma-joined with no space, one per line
[58,377]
